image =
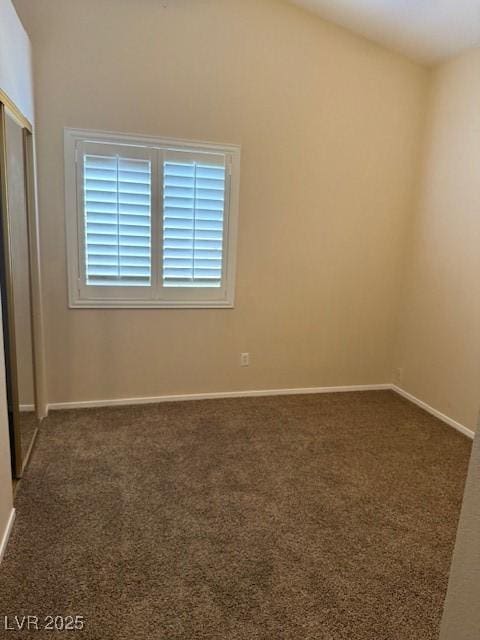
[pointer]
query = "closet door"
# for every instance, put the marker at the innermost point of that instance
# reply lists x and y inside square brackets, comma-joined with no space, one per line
[16,293]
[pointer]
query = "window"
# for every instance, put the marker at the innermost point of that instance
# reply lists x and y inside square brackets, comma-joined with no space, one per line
[150,223]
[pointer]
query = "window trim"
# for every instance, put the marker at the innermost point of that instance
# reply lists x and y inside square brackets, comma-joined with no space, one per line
[73,138]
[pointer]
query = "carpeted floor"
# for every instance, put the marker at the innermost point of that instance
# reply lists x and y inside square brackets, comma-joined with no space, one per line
[323,517]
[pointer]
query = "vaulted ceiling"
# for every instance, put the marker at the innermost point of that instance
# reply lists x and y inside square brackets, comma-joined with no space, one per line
[426,30]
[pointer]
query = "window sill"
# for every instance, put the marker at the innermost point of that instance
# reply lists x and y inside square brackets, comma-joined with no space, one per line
[157,304]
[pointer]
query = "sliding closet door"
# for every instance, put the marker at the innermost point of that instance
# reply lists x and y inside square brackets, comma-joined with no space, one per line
[17,294]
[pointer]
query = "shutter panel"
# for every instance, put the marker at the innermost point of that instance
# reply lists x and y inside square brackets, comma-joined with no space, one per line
[193,223]
[117,203]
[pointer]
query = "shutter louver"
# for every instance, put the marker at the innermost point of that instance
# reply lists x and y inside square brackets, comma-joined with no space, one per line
[117,201]
[193,224]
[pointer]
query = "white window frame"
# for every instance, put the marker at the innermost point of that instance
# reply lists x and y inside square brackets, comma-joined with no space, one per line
[81,295]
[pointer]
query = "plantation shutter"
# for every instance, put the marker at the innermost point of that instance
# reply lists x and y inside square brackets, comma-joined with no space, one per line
[118,219]
[150,223]
[193,220]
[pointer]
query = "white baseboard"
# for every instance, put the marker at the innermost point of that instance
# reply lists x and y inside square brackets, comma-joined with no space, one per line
[26,407]
[441,416]
[83,404]
[6,534]
[119,402]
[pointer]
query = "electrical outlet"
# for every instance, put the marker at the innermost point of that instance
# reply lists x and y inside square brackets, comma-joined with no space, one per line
[399,375]
[244,359]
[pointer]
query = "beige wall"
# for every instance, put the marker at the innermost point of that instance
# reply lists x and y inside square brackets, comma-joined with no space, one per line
[329,127]
[15,60]
[439,345]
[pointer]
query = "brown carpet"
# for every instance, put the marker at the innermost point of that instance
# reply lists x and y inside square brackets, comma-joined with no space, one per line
[304,518]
